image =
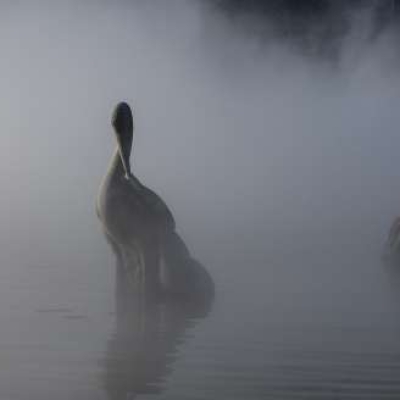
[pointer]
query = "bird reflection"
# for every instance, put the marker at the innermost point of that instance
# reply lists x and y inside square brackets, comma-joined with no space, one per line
[141,352]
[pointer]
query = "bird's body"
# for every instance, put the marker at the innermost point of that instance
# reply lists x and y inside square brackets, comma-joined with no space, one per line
[127,208]
[155,205]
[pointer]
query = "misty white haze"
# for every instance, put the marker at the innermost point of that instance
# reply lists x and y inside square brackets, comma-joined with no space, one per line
[281,172]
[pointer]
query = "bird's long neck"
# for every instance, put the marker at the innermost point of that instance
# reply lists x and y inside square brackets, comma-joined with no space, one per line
[116,168]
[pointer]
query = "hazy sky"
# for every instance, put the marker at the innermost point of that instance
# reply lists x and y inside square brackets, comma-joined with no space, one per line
[237,134]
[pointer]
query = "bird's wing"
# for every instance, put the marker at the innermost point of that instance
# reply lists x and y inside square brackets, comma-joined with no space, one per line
[158,205]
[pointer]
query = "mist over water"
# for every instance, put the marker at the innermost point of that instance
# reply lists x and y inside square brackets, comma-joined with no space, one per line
[280,169]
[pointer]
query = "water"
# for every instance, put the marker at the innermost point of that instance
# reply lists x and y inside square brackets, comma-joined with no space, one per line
[281,174]
[325,326]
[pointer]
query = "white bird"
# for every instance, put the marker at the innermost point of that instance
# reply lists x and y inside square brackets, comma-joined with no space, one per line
[141,229]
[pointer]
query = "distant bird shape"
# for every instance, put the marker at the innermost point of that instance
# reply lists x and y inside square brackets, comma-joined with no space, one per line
[392,247]
[140,228]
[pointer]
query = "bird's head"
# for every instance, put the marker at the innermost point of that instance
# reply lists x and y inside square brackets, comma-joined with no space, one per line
[122,122]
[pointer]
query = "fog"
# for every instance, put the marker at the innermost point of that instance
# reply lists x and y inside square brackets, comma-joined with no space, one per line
[236,134]
[231,132]
[266,156]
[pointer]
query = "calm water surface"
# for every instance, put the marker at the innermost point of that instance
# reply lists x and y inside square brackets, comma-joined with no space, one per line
[301,322]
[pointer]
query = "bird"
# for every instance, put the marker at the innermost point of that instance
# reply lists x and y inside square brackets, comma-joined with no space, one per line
[129,226]
[140,227]
[392,247]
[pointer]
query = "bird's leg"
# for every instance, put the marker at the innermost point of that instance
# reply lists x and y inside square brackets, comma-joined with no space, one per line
[131,264]
[121,292]
[140,271]
[163,266]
